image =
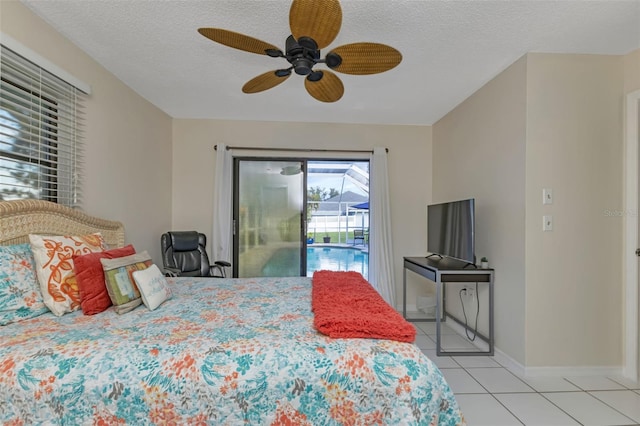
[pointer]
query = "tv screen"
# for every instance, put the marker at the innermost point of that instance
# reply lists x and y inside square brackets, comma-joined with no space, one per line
[451,229]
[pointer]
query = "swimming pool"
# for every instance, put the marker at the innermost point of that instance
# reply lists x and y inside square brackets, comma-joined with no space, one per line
[284,261]
[337,259]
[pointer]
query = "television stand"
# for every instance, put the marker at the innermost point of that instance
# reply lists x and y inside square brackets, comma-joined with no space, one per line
[442,271]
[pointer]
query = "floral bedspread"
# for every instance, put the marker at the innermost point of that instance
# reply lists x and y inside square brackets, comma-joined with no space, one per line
[220,351]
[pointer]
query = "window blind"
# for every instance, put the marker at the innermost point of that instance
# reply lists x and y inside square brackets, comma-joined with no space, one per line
[41,121]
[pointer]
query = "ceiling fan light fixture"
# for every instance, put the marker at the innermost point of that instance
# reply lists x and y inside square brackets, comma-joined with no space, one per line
[333,60]
[283,73]
[274,53]
[315,76]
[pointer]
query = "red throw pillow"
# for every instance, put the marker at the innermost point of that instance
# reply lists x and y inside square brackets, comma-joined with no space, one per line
[94,297]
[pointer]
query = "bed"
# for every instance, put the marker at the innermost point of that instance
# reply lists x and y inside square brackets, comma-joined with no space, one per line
[218,351]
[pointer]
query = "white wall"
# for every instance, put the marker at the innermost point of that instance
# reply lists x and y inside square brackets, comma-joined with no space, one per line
[548,121]
[409,164]
[574,273]
[479,152]
[632,71]
[128,140]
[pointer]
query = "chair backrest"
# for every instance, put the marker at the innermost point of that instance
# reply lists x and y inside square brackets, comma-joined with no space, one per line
[185,250]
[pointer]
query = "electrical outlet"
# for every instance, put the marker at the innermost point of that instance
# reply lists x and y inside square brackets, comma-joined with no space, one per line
[468,293]
[471,293]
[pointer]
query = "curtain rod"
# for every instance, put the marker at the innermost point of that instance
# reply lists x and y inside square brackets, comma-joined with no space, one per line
[250,148]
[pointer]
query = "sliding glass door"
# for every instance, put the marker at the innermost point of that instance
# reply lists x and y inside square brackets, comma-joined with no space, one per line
[295,216]
[269,227]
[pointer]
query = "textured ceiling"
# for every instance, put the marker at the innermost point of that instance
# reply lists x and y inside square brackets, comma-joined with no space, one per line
[450,49]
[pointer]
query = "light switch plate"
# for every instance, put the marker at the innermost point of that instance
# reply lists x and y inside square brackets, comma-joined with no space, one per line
[547,222]
[547,196]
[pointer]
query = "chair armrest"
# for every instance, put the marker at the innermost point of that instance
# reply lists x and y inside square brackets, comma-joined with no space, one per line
[219,266]
[171,272]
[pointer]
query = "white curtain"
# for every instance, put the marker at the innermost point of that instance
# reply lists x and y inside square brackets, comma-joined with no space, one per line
[381,274]
[221,236]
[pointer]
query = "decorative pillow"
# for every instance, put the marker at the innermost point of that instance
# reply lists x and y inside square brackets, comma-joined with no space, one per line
[94,297]
[121,286]
[54,267]
[153,286]
[20,296]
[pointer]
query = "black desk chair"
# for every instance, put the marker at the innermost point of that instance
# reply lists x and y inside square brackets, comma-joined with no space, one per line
[184,255]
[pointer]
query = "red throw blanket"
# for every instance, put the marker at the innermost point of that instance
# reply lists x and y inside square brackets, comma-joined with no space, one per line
[346,305]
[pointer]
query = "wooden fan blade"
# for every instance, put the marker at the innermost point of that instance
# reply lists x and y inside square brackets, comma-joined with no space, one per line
[263,82]
[328,89]
[318,19]
[237,40]
[366,58]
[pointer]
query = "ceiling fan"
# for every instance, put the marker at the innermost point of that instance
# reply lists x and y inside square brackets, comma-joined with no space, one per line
[314,25]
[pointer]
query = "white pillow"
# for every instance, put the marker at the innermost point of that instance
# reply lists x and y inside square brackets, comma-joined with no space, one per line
[153,286]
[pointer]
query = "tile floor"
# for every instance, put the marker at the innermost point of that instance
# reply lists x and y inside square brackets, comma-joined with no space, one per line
[491,395]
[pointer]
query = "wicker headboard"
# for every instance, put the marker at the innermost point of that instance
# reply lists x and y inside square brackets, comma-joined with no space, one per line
[20,218]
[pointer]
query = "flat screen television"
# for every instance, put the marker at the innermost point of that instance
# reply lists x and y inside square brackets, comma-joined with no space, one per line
[451,229]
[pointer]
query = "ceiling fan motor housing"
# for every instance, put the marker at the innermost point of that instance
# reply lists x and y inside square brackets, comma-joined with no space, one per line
[302,57]
[302,66]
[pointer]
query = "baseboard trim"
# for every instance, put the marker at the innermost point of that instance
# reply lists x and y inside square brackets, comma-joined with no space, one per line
[520,370]
[565,371]
[573,371]
[509,363]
